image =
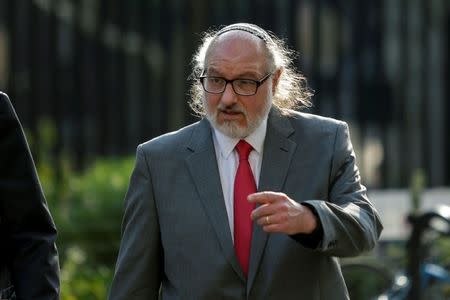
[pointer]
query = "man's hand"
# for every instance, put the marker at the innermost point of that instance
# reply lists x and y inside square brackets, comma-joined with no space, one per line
[279,213]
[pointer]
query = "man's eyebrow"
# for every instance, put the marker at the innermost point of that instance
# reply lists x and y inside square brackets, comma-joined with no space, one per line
[248,75]
[244,75]
[212,71]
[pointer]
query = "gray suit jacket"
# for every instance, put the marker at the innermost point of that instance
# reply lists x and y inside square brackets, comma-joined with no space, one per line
[176,240]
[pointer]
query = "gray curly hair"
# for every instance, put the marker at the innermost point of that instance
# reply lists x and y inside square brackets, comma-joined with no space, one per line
[292,91]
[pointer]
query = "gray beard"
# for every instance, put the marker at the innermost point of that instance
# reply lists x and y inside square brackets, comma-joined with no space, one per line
[232,128]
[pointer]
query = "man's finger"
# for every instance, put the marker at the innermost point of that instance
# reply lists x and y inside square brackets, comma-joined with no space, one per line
[266,197]
[263,210]
[270,219]
[272,228]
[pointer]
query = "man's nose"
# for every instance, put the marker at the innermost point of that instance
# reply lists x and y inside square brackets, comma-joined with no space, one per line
[229,97]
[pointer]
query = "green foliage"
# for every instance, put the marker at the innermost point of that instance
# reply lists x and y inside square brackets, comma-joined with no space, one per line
[417,186]
[83,281]
[87,207]
[90,211]
[444,251]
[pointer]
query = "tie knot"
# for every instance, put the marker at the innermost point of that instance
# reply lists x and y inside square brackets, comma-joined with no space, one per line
[243,149]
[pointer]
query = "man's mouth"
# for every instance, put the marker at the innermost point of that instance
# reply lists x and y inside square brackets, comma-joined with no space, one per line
[229,114]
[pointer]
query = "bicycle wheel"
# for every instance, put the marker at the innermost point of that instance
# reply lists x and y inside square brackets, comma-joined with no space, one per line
[366,280]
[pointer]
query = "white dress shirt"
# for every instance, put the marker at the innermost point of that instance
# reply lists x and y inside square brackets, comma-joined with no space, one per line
[228,162]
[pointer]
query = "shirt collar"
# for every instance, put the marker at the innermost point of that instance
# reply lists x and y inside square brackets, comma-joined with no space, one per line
[256,139]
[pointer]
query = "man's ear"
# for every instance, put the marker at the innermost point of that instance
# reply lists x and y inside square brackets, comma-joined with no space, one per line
[276,79]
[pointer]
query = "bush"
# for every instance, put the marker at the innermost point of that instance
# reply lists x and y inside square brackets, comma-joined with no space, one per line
[80,280]
[90,211]
[87,208]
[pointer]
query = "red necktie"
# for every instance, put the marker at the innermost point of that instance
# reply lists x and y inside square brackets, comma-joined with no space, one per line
[244,185]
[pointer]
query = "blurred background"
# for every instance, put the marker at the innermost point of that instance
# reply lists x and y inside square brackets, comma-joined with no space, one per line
[91,79]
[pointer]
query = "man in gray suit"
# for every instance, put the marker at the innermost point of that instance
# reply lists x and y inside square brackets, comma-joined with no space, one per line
[255,201]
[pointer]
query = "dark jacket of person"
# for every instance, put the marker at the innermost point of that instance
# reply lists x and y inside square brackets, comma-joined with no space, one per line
[28,255]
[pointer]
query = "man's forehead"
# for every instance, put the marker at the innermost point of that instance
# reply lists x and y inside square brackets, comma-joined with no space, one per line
[238,36]
[236,44]
[236,53]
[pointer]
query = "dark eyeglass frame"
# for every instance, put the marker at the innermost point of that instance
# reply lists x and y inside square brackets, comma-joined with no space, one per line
[257,82]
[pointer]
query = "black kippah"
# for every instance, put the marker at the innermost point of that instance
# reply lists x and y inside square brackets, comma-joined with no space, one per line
[247,27]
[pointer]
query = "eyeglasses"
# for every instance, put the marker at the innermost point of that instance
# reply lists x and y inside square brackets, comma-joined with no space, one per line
[243,87]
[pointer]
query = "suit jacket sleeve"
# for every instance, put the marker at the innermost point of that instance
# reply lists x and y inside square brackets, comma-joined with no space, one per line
[349,221]
[138,269]
[26,223]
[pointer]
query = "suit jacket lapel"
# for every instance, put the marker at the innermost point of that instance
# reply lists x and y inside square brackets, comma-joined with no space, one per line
[202,164]
[278,151]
